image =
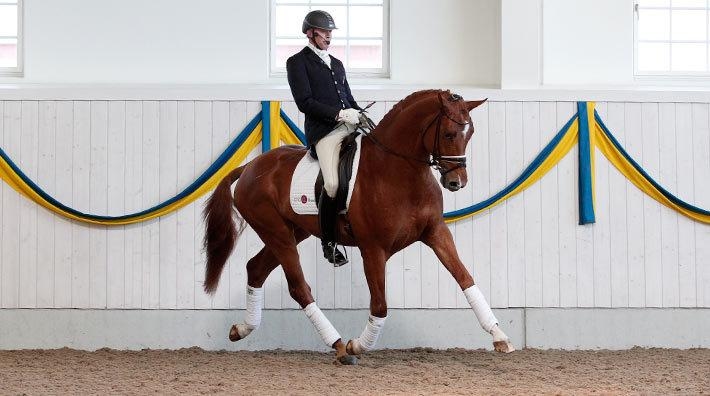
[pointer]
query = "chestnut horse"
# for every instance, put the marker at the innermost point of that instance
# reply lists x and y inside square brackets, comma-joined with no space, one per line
[396,201]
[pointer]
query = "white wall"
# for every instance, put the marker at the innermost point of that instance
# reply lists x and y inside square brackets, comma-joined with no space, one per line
[450,42]
[120,157]
[521,43]
[223,41]
[580,43]
[588,42]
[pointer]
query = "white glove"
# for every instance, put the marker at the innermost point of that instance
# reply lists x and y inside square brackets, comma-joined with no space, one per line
[350,116]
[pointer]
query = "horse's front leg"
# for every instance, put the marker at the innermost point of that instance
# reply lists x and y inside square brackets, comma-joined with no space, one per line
[440,240]
[374,265]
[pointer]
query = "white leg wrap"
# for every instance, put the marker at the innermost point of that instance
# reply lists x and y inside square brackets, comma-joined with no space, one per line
[252,319]
[369,336]
[323,326]
[481,308]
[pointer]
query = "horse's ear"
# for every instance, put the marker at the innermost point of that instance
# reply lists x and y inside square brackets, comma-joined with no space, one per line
[474,103]
[443,95]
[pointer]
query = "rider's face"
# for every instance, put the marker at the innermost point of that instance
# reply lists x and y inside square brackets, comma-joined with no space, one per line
[321,38]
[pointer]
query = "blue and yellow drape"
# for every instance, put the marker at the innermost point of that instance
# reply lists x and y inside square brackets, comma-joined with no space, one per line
[589,132]
[271,126]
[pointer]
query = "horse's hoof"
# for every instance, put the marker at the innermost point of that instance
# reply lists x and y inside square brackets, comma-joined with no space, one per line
[503,346]
[234,334]
[348,360]
[350,348]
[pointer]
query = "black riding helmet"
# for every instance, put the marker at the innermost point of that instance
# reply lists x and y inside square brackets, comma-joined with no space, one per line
[318,19]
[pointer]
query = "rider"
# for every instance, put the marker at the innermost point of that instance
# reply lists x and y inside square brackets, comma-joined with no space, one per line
[321,91]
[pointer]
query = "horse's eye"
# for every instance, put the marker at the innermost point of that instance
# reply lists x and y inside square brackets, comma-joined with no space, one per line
[450,136]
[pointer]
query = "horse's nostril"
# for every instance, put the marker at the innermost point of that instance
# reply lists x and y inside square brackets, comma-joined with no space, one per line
[454,185]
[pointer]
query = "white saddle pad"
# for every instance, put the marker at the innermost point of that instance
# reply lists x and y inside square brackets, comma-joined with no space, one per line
[303,199]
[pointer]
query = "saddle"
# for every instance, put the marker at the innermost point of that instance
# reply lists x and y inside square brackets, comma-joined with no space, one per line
[348,149]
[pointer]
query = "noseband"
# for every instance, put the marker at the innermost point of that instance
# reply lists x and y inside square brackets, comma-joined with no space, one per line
[437,159]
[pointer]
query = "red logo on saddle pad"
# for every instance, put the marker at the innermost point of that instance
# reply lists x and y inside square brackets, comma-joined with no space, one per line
[304,199]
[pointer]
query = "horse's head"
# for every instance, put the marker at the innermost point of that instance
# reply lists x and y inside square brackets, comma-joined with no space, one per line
[452,128]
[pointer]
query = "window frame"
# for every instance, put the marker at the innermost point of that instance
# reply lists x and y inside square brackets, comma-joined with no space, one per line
[379,73]
[18,70]
[670,75]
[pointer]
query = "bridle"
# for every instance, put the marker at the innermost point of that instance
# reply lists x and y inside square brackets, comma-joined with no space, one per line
[437,159]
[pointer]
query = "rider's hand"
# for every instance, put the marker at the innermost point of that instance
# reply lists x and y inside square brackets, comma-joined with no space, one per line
[350,116]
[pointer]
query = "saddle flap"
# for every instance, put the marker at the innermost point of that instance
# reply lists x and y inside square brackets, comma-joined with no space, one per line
[348,149]
[307,184]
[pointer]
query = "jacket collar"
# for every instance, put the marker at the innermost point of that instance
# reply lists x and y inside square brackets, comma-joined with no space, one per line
[309,53]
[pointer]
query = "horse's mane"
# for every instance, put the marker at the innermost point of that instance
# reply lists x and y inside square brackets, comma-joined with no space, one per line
[402,104]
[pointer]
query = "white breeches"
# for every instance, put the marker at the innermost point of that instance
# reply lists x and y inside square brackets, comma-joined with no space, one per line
[328,151]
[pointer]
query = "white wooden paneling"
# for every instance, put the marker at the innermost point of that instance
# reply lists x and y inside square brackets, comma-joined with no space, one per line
[549,127]
[669,219]
[81,234]
[569,216]
[168,168]
[64,194]
[185,233]
[651,207]
[634,208]
[499,227]
[532,205]
[515,209]
[686,227]
[12,120]
[617,215]
[701,162]
[28,210]
[119,157]
[133,287]
[115,188]
[150,196]
[602,227]
[98,202]
[3,186]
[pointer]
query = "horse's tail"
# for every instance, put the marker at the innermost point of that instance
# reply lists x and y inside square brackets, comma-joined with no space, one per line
[221,232]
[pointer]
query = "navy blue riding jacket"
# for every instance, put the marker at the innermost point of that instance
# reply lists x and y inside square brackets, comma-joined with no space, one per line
[320,92]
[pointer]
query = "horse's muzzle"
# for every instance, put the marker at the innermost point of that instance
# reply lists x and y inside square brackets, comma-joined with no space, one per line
[452,183]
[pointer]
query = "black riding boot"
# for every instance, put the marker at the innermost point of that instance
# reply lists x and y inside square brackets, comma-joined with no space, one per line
[327,216]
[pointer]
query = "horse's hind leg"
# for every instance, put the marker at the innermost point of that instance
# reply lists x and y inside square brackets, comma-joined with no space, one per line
[258,269]
[279,239]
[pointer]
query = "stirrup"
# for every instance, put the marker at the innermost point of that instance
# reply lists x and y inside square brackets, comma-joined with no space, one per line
[333,254]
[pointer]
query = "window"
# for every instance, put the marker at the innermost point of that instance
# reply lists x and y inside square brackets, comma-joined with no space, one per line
[10,37]
[360,42]
[671,37]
